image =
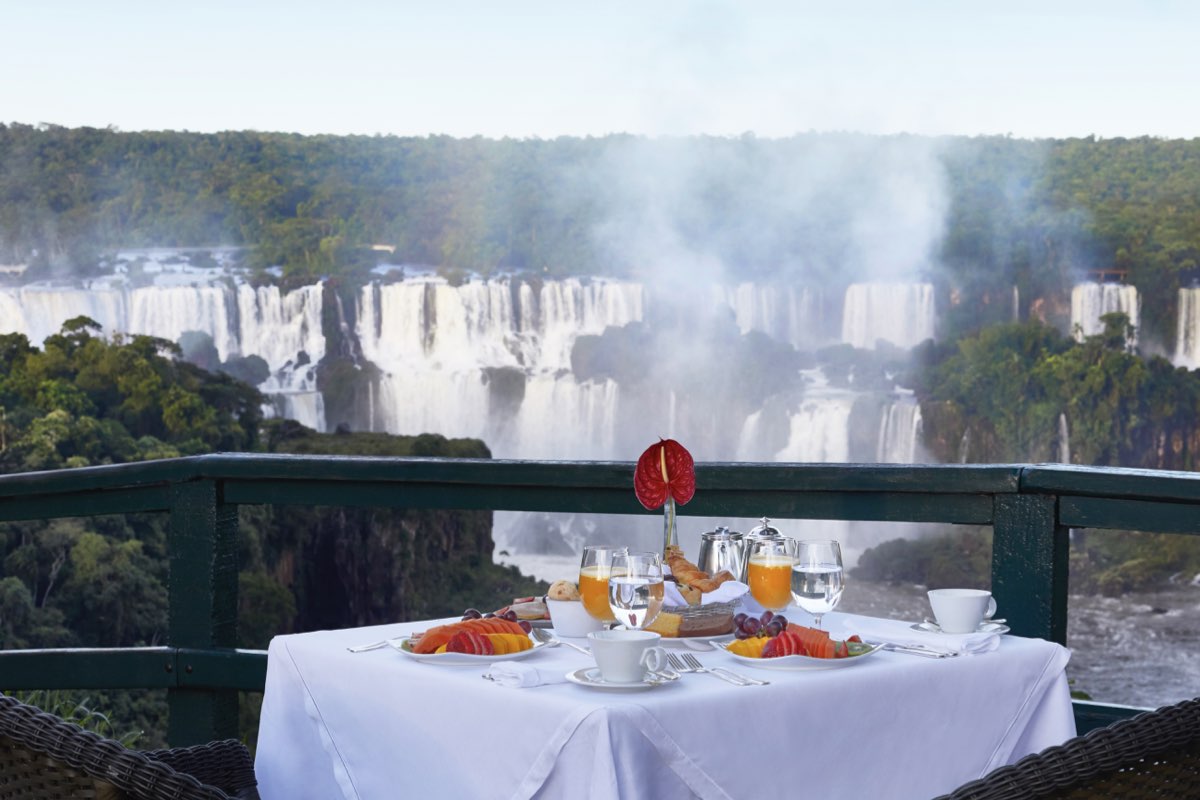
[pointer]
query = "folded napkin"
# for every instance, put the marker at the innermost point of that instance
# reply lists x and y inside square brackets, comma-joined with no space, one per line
[519,675]
[725,593]
[873,629]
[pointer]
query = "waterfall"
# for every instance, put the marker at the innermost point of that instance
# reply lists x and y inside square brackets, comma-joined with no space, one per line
[819,431]
[39,311]
[900,313]
[168,311]
[437,344]
[491,359]
[476,324]
[241,320]
[899,433]
[1187,337]
[1090,301]
[787,313]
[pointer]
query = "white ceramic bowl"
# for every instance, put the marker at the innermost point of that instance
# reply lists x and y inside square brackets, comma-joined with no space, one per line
[570,619]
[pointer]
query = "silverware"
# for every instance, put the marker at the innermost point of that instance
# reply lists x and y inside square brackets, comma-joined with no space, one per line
[694,662]
[362,648]
[550,640]
[914,650]
[686,662]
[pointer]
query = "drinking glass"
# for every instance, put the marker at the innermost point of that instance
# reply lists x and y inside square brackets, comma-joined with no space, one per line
[635,588]
[594,570]
[817,577]
[769,572]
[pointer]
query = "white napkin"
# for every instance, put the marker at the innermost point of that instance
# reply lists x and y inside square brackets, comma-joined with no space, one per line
[519,675]
[872,629]
[725,593]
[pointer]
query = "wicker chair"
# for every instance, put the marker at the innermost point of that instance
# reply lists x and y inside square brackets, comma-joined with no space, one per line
[1153,755]
[42,756]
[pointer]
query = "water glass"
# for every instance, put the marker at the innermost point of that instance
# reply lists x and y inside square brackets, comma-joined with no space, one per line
[817,576]
[769,572]
[635,588]
[594,571]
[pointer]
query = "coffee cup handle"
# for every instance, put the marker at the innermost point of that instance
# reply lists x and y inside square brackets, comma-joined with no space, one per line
[654,659]
[991,612]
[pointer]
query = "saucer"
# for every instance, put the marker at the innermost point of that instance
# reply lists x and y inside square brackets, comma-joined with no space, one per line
[984,627]
[590,677]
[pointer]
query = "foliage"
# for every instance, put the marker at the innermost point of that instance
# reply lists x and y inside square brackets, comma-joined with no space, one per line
[1006,388]
[963,558]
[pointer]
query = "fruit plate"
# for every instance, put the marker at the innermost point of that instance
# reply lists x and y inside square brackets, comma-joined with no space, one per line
[807,662]
[459,659]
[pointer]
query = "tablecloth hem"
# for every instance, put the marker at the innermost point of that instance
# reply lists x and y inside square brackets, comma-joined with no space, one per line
[341,775]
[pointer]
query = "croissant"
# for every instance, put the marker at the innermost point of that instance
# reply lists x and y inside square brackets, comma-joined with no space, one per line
[685,572]
[708,584]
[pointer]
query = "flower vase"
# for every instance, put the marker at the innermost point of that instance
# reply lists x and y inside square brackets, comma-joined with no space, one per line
[668,525]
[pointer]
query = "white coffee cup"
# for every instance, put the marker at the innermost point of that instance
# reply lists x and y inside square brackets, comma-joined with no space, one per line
[961,610]
[625,656]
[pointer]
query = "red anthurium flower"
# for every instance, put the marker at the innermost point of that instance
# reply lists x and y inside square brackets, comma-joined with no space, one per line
[665,469]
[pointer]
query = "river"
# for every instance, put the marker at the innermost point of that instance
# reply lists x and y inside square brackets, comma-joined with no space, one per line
[1139,650]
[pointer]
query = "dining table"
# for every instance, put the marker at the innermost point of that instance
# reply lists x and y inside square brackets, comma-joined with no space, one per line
[894,724]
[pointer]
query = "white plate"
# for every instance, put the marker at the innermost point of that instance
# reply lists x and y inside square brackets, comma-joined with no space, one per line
[805,662]
[984,627]
[451,659]
[590,677]
[683,640]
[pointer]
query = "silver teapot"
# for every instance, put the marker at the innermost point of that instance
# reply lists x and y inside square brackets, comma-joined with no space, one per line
[722,549]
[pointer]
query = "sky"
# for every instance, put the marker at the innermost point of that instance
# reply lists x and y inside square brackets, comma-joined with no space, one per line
[533,68]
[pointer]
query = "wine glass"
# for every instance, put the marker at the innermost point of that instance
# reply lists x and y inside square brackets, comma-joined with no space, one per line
[817,576]
[635,588]
[594,570]
[769,571]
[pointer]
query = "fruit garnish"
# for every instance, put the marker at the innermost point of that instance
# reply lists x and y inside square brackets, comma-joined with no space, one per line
[665,470]
[784,639]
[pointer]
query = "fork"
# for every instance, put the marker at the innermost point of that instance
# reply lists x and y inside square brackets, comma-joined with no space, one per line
[679,663]
[362,648]
[694,662]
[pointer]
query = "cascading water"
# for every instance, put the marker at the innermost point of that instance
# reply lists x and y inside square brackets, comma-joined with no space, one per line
[241,321]
[492,359]
[900,313]
[786,313]
[1187,337]
[1090,301]
[900,432]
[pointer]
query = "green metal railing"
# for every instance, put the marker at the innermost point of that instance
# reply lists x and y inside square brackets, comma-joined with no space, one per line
[1031,509]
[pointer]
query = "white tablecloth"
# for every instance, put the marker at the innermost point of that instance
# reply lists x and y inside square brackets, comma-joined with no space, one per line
[381,725]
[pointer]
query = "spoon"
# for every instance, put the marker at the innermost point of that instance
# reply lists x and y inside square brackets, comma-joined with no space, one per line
[551,641]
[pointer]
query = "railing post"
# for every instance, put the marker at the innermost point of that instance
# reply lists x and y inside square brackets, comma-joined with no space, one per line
[202,603]
[1029,565]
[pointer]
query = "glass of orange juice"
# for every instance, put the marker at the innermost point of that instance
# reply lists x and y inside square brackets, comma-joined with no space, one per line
[770,572]
[594,571]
